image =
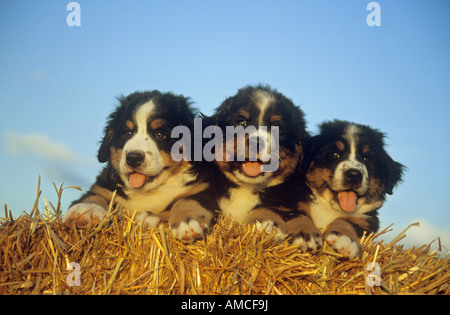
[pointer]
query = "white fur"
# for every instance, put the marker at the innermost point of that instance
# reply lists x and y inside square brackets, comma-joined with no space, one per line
[142,141]
[148,219]
[241,201]
[313,243]
[323,212]
[337,184]
[156,200]
[188,231]
[263,99]
[267,226]
[343,245]
[85,211]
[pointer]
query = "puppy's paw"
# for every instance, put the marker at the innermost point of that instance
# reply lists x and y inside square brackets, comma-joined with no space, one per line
[190,230]
[305,234]
[189,220]
[343,244]
[268,227]
[308,241]
[148,219]
[84,215]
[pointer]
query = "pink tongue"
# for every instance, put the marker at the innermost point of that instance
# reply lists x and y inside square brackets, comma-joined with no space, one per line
[347,200]
[136,180]
[251,168]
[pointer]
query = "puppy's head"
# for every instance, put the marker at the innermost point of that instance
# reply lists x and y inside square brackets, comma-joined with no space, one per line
[263,133]
[349,168]
[137,140]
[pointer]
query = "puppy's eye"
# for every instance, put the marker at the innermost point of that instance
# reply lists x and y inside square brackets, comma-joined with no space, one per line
[242,123]
[334,155]
[160,135]
[367,158]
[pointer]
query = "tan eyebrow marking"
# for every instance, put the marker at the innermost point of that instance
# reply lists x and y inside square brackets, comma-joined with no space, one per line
[157,123]
[244,113]
[129,124]
[275,118]
[340,145]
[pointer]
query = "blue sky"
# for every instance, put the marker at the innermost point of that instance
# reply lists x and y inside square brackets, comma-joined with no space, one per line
[59,83]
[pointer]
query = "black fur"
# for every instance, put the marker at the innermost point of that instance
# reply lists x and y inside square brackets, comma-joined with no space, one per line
[281,198]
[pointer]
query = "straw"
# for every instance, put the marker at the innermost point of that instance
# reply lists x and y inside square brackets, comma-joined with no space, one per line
[119,256]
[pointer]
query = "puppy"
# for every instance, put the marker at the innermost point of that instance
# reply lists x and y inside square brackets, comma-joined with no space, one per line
[137,147]
[348,174]
[254,162]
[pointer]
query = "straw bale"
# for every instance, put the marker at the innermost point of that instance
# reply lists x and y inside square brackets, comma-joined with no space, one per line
[121,257]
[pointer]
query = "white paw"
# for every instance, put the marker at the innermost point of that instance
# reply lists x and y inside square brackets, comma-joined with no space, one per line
[148,219]
[343,245]
[268,227]
[84,215]
[308,242]
[189,231]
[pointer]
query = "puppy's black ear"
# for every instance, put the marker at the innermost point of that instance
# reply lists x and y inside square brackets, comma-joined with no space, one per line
[104,150]
[394,172]
[114,120]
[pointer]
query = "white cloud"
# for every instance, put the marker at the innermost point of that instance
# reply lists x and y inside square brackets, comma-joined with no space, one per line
[38,145]
[57,161]
[423,234]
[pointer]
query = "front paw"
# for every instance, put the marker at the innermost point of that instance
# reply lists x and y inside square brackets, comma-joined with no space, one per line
[268,227]
[189,220]
[345,245]
[189,230]
[308,240]
[305,234]
[84,215]
[148,219]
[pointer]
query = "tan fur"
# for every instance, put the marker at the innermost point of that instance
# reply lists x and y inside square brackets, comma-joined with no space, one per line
[317,176]
[157,123]
[116,155]
[302,223]
[185,209]
[263,214]
[343,227]
[130,125]
[340,145]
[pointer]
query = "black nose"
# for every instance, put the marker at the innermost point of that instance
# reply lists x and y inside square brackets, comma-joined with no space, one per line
[353,176]
[135,158]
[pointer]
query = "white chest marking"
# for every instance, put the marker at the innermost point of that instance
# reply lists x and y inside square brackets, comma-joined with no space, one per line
[157,200]
[238,206]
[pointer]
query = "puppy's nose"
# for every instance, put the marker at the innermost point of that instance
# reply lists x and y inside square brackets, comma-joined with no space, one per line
[135,158]
[353,176]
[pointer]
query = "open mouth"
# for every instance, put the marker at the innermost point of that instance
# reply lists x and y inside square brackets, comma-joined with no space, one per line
[347,199]
[137,180]
[252,169]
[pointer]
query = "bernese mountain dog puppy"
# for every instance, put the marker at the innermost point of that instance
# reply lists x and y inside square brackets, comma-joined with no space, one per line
[137,147]
[253,166]
[348,174]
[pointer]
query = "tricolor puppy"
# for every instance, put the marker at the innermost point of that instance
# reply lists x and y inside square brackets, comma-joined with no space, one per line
[252,174]
[136,147]
[348,174]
